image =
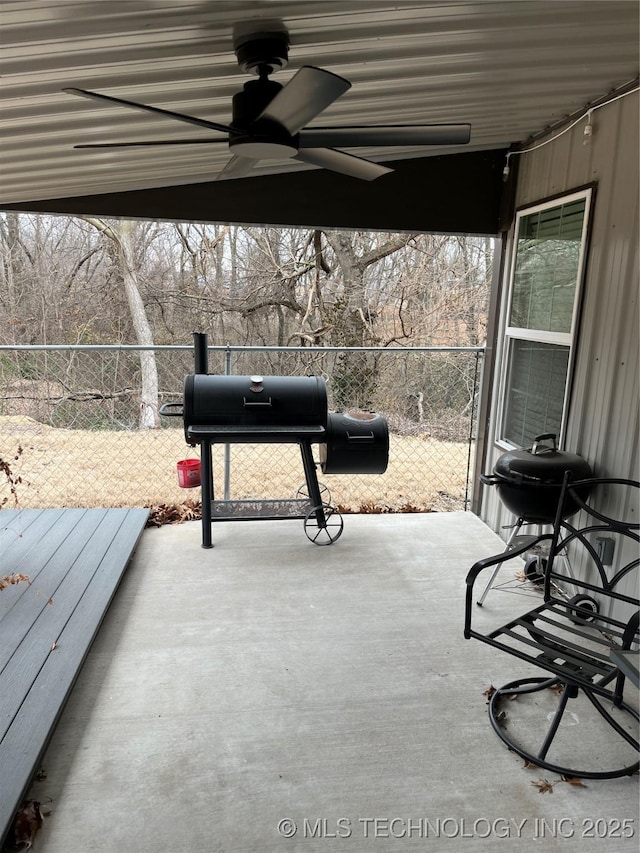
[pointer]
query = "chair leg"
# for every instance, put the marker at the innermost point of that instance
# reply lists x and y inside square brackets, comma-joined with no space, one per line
[525,686]
[569,692]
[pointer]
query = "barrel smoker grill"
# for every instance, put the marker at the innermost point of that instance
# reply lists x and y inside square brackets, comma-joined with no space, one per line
[220,409]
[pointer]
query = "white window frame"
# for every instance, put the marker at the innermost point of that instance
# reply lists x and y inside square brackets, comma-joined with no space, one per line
[566,339]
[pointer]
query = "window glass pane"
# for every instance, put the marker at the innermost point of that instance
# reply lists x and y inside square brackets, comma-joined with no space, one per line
[546,268]
[537,375]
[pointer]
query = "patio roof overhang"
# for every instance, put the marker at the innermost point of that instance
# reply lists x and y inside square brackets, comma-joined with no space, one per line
[510,70]
[456,193]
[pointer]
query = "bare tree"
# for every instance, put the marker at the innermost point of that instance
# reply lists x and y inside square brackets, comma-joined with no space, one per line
[122,234]
[90,280]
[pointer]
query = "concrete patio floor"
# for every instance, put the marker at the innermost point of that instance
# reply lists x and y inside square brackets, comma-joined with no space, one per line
[272,695]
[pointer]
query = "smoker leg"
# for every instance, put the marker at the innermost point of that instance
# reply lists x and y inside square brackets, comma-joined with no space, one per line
[312,481]
[206,476]
[323,525]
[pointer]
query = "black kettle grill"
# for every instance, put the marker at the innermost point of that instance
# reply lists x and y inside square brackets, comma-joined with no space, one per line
[529,481]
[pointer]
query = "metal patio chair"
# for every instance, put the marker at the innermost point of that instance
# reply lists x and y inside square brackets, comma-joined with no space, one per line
[586,642]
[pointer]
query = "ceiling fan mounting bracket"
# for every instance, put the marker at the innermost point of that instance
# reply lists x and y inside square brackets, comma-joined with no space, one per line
[262,53]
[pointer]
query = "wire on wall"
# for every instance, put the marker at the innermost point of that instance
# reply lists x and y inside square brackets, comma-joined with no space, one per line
[588,130]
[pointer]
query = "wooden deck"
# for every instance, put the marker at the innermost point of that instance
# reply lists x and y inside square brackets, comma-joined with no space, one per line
[74,559]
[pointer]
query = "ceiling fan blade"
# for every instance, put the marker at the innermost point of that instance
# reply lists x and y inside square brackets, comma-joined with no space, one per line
[308,92]
[236,167]
[340,161]
[143,143]
[200,122]
[399,134]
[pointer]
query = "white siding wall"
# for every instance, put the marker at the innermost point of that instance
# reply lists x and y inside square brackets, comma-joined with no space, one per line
[604,410]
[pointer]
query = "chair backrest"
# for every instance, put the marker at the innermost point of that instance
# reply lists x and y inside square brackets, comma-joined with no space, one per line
[595,551]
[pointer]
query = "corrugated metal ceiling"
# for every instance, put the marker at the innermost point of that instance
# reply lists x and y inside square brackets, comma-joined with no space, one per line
[510,68]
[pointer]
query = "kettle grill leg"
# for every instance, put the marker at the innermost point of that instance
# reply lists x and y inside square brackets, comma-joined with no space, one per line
[514,533]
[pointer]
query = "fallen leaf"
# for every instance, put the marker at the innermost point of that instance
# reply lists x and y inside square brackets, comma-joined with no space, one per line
[544,786]
[558,687]
[501,719]
[574,780]
[54,645]
[50,601]
[528,763]
[27,822]
[189,510]
[11,580]
[489,692]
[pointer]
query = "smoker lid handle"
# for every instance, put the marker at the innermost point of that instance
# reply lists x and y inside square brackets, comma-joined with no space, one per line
[369,436]
[165,409]
[250,404]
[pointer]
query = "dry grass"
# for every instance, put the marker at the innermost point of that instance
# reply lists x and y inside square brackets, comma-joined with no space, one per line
[62,467]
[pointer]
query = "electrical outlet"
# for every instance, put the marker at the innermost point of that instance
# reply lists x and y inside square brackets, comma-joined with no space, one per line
[605,546]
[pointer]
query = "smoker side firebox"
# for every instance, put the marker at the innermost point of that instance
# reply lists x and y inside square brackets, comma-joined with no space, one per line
[276,410]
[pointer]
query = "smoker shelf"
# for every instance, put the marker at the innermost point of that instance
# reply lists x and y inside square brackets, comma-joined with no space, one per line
[256,510]
[262,434]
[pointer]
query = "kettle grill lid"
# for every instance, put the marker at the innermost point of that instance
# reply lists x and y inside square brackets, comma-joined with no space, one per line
[542,464]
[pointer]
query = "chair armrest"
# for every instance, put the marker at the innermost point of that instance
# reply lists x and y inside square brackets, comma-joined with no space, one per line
[486,563]
[627,662]
[507,554]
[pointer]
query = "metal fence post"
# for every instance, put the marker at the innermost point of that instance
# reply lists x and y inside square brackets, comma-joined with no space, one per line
[227,447]
[471,424]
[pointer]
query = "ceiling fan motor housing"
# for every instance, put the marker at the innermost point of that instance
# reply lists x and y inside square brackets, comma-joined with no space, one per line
[258,138]
[247,104]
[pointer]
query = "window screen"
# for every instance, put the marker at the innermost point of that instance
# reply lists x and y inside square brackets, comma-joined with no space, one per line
[539,328]
[547,261]
[537,380]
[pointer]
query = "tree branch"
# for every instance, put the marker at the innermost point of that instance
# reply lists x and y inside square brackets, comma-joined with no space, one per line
[79,264]
[388,248]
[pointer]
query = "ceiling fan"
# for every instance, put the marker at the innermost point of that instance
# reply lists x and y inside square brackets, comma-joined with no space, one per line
[269,119]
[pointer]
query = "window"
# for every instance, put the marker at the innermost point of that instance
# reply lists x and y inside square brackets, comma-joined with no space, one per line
[540,326]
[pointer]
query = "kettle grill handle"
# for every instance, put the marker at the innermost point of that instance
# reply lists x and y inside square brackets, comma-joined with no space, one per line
[489,479]
[544,437]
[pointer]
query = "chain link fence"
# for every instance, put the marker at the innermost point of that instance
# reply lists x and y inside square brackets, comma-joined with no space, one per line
[69,426]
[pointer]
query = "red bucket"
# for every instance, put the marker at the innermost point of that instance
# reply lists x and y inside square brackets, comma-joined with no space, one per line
[188,473]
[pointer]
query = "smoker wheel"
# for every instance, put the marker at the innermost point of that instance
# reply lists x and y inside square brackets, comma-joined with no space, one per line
[327,533]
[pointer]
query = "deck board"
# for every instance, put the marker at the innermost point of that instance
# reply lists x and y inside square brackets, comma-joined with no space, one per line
[75,559]
[23,536]
[54,561]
